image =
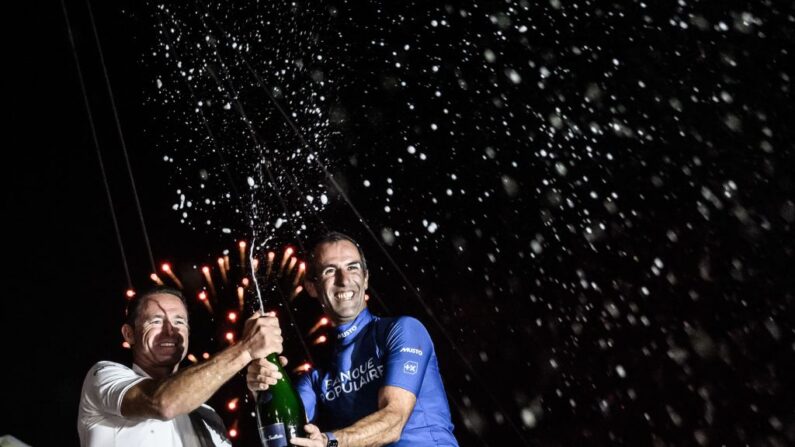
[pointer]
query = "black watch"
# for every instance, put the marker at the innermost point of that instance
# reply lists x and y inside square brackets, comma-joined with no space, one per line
[332,441]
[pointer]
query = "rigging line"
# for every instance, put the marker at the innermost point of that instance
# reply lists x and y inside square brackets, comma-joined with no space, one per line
[121,137]
[87,105]
[218,147]
[400,272]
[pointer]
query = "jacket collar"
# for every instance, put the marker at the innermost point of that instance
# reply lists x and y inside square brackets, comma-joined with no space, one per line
[347,332]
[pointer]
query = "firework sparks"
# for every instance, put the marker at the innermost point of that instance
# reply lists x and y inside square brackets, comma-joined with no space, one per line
[166,268]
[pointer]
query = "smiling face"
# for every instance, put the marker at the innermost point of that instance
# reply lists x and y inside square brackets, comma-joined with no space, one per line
[159,339]
[340,282]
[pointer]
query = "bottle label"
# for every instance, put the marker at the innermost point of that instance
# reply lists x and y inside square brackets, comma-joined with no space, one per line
[274,435]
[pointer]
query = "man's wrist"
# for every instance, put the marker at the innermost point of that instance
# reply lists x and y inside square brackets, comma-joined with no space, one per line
[243,354]
[331,440]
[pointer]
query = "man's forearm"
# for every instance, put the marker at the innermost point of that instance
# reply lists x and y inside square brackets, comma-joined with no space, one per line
[380,428]
[187,389]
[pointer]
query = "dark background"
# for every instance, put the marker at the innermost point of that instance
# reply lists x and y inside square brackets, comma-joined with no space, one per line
[613,260]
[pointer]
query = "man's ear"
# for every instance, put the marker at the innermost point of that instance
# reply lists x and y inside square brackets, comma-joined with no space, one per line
[366,279]
[310,288]
[128,333]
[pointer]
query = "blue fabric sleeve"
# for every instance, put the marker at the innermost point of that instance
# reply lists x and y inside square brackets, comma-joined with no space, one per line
[408,350]
[307,393]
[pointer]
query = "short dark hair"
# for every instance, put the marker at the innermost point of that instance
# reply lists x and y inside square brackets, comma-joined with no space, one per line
[330,238]
[134,305]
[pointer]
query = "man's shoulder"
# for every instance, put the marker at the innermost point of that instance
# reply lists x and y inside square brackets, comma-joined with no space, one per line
[97,379]
[102,364]
[106,373]
[402,322]
[106,366]
[400,328]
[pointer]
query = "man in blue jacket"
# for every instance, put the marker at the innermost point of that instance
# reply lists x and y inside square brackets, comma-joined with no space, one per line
[382,386]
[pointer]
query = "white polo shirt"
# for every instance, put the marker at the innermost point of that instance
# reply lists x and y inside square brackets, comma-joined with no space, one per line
[100,423]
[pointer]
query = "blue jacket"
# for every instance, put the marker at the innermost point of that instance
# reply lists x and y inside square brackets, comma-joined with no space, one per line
[372,352]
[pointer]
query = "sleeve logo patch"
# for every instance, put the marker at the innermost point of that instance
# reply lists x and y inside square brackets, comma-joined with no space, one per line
[410,367]
[412,351]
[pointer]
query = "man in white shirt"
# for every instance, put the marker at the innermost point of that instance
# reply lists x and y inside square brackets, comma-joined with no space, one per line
[152,403]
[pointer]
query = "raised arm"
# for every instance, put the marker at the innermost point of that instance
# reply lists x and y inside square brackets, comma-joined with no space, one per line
[189,388]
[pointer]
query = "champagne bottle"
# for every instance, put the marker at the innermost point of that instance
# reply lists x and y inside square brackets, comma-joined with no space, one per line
[280,412]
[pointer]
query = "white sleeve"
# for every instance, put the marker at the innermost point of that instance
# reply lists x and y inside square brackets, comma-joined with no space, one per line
[105,386]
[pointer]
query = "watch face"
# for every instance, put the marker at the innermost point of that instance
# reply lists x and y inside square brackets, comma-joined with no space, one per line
[332,443]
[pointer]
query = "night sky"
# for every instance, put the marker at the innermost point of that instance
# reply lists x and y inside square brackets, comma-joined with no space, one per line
[590,205]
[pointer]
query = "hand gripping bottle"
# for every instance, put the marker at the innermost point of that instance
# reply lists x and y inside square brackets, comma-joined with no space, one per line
[280,412]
